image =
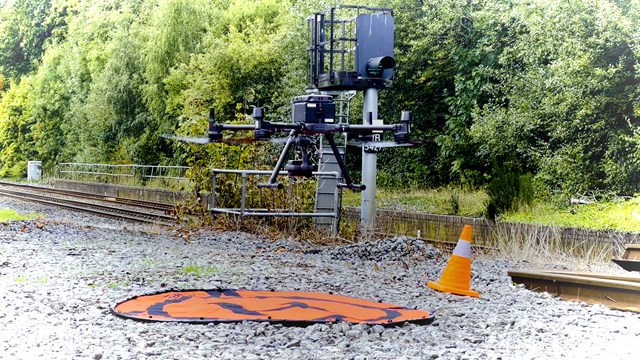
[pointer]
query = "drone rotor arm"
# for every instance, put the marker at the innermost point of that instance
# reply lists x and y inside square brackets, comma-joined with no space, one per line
[234,127]
[282,127]
[215,130]
[401,130]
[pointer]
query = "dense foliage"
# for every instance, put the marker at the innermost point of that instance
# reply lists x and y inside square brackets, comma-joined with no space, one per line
[547,87]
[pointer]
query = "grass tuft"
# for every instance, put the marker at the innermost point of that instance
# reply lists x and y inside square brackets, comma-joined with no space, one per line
[200,270]
[544,245]
[7,215]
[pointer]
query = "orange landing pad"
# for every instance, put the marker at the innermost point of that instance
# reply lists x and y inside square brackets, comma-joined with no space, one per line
[284,307]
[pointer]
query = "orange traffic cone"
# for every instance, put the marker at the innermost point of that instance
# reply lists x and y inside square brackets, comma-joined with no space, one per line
[456,278]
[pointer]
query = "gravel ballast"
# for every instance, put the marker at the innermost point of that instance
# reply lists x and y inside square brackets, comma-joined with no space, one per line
[60,276]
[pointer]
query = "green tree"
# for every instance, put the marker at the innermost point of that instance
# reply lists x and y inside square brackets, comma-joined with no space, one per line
[241,65]
[16,136]
[24,31]
[563,93]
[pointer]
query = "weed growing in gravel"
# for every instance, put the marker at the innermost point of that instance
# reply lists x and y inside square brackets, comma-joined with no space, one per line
[200,270]
[117,284]
[7,215]
[21,279]
[42,279]
[151,263]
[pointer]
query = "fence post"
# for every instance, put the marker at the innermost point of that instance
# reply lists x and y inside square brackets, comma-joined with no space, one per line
[212,201]
[244,192]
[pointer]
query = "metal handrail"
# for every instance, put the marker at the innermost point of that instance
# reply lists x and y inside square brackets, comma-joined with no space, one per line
[244,211]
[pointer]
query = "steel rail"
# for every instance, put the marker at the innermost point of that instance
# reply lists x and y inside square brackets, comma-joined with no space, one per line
[97,209]
[631,259]
[614,291]
[167,208]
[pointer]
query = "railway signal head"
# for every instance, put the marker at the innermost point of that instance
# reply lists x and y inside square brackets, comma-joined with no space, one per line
[351,48]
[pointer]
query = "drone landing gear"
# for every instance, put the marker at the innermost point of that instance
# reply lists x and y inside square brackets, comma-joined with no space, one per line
[305,167]
[348,184]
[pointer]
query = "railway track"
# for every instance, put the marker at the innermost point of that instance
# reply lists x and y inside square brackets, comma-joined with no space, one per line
[167,208]
[614,291]
[113,207]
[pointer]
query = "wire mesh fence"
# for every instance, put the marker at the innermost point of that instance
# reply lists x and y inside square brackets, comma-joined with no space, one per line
[132,174]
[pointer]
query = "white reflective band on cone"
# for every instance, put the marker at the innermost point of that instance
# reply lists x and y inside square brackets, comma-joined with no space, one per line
[463,248]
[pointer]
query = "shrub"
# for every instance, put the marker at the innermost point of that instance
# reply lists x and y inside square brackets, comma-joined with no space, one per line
[507,191]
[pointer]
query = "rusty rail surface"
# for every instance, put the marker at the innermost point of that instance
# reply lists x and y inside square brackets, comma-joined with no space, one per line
[115,212]
[614,291]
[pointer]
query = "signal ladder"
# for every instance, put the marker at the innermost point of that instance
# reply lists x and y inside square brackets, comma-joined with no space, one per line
[326,188]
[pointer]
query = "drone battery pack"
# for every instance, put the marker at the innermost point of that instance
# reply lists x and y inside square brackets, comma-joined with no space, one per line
[313,109]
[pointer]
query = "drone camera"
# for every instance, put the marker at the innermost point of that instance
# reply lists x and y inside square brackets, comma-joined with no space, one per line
[313,109]
[300,168]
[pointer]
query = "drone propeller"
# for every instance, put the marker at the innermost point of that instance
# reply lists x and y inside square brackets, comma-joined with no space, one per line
[377,144]
[385,144]
[282,140]
[191,139]
[206,140]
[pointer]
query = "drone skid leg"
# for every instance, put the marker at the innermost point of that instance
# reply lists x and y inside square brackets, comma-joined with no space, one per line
[272,183]
[356,187]
[348,184]
[272,186]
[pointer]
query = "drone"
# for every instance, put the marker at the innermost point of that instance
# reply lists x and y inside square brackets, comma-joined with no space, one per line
[312,115]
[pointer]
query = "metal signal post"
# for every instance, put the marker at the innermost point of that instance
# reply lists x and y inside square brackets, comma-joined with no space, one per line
[369,167]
